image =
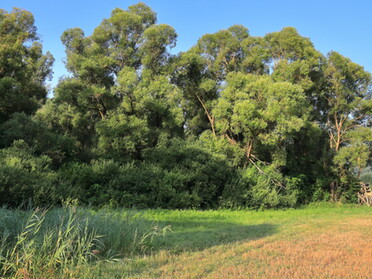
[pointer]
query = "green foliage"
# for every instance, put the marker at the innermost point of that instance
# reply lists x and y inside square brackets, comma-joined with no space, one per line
[23,67]
[366,175]
[154,45]
[25,177]
[255,110]
[294,58]
[257,190]
[266,194]
[67,120]
[222,50]
[236,121]
[357,153]
[191,171]
[50,244]
[173,175]
[37,135]
[147,113]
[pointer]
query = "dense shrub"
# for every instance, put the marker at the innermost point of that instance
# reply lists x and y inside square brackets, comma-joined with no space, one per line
[173,176]
[25,177]
[38,135]
[262,189]
[193,170]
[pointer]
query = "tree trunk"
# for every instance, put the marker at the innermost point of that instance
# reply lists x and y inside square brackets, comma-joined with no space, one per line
[210,117]
[333,187]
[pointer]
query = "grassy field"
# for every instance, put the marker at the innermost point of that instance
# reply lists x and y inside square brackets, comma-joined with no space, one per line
[321,241]
[314,242]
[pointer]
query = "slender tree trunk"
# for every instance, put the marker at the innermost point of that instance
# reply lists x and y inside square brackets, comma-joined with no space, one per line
[332,190]
[339,122]
[333,187]
[210,117]
[338,140]
[248,151]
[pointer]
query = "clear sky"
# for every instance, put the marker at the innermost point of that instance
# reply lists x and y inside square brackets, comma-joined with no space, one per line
[344,26]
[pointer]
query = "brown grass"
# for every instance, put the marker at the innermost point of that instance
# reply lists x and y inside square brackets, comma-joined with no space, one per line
[341,250]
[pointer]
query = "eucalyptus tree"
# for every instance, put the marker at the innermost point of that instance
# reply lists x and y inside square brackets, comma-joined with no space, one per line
[255,111]
[347,95]
[148,113]
[24,68]
[222,50]
[199,92]
[202,70]
[119,85]
[24,71]
[293,58]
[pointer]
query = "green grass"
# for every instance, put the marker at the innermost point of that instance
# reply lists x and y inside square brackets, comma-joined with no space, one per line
[56,242]
[195,230]
[138,244]
[200,235]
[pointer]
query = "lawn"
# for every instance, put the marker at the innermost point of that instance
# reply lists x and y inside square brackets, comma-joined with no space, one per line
[314,242]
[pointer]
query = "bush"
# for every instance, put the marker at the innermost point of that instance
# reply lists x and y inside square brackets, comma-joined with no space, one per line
[173,176]
[262,190]
[25,177]
[38,136]
[196,174]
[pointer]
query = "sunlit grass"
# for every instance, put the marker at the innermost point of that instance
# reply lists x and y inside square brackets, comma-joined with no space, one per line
[319,241]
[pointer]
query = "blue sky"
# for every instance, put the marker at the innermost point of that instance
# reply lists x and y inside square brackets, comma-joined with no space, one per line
[339,25]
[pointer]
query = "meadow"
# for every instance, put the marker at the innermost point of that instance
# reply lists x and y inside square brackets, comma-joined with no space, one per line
[317,241]
[264,123]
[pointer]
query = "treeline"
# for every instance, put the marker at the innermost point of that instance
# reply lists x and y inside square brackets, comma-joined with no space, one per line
[236,121]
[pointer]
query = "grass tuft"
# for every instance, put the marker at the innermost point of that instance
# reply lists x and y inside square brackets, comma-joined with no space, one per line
[49,243]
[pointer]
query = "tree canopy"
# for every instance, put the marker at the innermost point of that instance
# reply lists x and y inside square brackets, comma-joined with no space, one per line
[235,121]
[23,67]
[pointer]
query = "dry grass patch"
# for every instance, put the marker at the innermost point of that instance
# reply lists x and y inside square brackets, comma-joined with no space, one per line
[330,255]
[341,250]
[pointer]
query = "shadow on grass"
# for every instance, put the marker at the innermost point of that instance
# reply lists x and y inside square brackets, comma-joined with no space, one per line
[187,236]
[194,236]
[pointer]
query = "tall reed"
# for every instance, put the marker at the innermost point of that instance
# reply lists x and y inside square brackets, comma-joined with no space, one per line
[50,243]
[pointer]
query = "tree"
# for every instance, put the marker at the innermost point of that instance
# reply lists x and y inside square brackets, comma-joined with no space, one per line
[23,67]
[200,71]
[148,113]
[222,51]
[356,153]
[255,111]
[199,91]
[293,57]
[119,99]
[155,42]
[347,95]
[259,122]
